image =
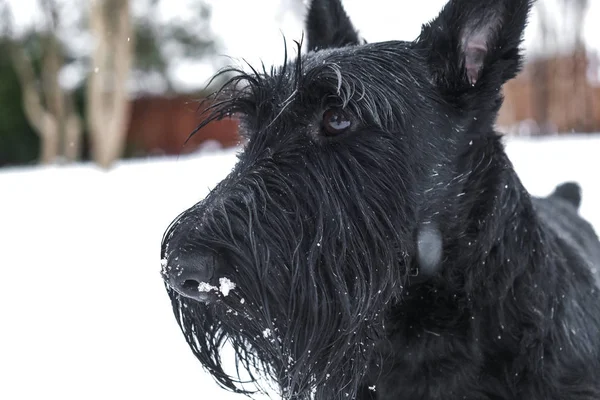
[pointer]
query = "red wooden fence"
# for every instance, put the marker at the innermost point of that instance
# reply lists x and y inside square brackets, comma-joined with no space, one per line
[161,125]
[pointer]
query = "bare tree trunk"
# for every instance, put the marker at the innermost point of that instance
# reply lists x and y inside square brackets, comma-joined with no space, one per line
[580,65]
[72,139]
[541,80]
[42,121]
[107,98]
[45,109]
[50,141]
[579,10]
[579,110]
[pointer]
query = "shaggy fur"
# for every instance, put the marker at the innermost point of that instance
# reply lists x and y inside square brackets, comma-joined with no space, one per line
[400,258]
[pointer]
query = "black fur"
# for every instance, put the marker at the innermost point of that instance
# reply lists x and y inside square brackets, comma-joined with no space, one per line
[569,191]
[328,26]
[319,232]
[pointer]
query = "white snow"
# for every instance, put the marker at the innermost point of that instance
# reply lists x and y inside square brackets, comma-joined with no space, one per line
[206,287]
[225,286]
[83,310]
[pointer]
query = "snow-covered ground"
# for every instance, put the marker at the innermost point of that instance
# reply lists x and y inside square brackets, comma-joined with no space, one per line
[83,312]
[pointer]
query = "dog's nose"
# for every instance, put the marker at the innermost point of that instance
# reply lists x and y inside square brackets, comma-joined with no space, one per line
[191,276]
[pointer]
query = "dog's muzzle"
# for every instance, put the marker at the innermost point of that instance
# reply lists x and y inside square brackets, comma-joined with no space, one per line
[192,276]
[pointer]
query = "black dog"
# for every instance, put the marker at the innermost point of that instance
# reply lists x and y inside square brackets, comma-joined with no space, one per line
[374,241]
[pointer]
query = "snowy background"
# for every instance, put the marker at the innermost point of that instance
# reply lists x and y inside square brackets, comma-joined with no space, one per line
[83,311]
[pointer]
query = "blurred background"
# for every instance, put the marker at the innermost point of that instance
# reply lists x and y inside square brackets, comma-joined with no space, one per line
[97,99]
[109,79]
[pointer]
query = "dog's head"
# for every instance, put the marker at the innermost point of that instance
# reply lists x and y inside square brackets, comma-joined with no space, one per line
[350,150]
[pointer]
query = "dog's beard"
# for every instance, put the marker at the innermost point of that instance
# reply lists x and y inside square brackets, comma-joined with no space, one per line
[313,338]
[315,269]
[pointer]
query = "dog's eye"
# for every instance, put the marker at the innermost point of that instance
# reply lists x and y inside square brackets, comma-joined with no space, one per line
[335,122]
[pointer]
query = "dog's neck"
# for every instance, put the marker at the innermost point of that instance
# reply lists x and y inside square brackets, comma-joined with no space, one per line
[493,259]
[494,219]
[484,236]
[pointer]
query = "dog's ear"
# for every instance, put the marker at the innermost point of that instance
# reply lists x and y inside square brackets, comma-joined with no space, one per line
[475,43]
[328,25]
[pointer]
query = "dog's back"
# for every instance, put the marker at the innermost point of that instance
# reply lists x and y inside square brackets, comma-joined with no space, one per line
[559,213]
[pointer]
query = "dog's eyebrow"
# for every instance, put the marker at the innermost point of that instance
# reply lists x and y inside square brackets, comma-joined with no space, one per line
[328,80]
[375,83]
